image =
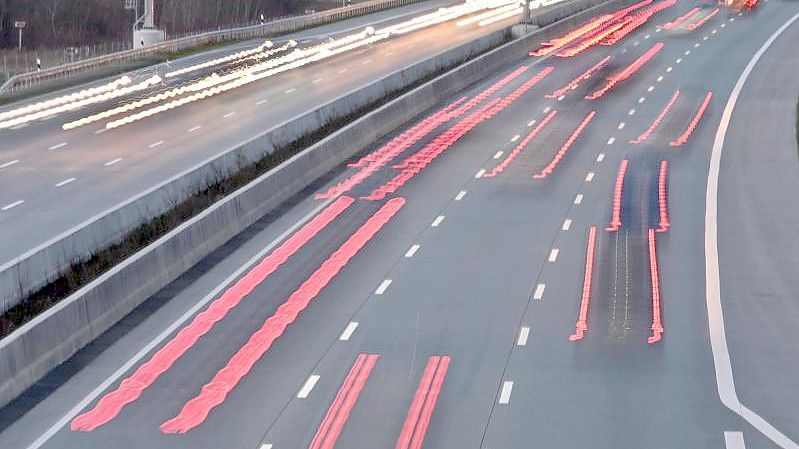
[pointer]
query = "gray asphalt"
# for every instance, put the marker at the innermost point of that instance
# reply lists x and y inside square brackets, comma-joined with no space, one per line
[99,187]
[469,287]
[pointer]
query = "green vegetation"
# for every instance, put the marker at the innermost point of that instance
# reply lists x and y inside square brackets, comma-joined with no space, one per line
[83,272]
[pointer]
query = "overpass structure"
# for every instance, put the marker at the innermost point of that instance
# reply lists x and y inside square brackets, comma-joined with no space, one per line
[581,237]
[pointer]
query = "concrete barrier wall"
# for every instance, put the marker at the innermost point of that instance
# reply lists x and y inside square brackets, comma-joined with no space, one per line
[43,264]
[42,344]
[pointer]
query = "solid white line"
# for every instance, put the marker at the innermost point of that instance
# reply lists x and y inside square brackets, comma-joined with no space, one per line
[498,154]
[109,163]
[539,291]
[460,195]
[260,102]
[437,221]
[229,114]
[12,205]
[515,138]
[9,163]
[65,182]
[578,199]
[383,287]
[553,255]
[291,90]
[309,384]
[480,173]
[589,177]
[155,342]
[507,388]
[155,144]
[57,146]
[348,331]
[611,140]
[734,440]
[600,157]
[524,333]
[567,224]
[194,128]
[718,339]
[411,251]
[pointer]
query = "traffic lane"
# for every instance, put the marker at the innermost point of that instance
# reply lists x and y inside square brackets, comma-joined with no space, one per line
[139,421]
[693,383]
[176,148]
[757,220]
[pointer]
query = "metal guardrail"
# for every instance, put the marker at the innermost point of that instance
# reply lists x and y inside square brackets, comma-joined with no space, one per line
[24,81]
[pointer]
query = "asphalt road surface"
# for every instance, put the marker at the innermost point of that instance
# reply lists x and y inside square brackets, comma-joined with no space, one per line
[440,315]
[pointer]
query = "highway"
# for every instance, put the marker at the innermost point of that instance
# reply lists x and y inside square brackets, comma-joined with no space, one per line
[59,179]
[539,277]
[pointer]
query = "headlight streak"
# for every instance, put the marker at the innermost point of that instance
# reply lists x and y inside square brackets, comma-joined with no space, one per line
[146,84]
[36,107]
[218,83]
[255,53]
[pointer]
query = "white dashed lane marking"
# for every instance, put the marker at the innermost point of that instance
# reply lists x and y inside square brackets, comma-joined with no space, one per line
[383,287]
[65,182]
[12,205]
